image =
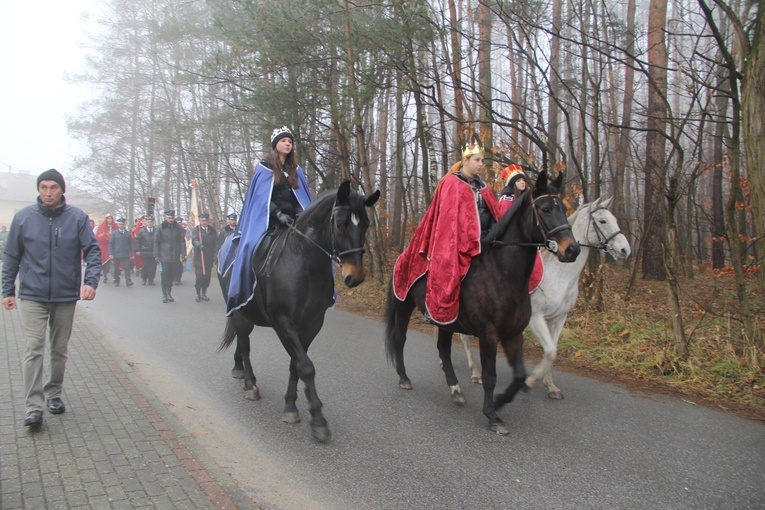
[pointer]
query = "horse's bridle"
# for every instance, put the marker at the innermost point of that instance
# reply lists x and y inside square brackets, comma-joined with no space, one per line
[550,244]
[335,255]
[603,240]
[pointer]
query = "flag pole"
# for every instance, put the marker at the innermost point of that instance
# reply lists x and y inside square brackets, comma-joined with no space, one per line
[195,204]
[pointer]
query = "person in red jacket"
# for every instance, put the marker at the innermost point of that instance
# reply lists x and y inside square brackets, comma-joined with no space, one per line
[103,234]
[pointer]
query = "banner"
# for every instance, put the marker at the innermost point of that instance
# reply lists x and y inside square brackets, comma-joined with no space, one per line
[150,203]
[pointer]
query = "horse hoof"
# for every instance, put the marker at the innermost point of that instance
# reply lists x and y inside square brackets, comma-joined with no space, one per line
[237,373]
[253,394]
[555,395]
[457,396]
[476,380]
[405,384]
[291,417]
[500,428]
[322,434]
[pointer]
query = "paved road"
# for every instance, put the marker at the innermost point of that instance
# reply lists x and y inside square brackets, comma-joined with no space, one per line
[601,447]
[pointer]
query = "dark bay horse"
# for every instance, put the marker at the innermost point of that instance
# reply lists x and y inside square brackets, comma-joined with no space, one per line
[494,299]
[295,289]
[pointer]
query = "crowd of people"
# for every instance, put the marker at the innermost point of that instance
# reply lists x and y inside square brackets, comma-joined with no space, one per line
[50,242]
[172,246]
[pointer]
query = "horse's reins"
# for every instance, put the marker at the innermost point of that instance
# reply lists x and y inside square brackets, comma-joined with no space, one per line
[335,255]
[604,245]
[549,244]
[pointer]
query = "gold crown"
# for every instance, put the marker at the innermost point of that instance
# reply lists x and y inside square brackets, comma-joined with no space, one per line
[472,150]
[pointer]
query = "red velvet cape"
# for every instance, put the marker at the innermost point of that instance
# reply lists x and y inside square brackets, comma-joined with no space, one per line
[446,240]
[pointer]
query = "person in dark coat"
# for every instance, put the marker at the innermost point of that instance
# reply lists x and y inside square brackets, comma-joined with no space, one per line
[145,246]
[121,252]
[169,247]
[47,243]
[229,229]
[204,238]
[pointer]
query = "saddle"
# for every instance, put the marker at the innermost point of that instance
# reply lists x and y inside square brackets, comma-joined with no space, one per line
[264,257]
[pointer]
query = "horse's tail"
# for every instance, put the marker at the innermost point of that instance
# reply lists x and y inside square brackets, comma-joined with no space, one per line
[229,334]
[390,323]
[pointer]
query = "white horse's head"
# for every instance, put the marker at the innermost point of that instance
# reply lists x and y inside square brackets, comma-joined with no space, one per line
[595,227]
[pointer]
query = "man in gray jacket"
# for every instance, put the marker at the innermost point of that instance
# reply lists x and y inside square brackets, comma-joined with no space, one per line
[122,252]
[46,245]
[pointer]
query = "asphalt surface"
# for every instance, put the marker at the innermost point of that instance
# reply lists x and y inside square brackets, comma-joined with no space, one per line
[601,447]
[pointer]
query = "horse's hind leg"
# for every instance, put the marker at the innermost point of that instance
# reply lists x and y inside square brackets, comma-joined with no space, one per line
[398,315]
[243,330]
[445,353]
[290,414]
[238,371]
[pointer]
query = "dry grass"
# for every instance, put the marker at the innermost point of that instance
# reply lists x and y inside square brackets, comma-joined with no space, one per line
[632,342]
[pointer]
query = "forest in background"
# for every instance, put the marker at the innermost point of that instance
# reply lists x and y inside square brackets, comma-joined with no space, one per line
[658,103]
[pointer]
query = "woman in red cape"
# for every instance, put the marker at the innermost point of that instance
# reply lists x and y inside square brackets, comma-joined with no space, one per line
[448,237]
[103,234]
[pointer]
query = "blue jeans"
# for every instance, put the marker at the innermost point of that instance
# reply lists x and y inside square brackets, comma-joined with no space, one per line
[39,320]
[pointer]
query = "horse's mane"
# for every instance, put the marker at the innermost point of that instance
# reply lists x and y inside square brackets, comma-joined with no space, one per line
[325,200]
[501,226]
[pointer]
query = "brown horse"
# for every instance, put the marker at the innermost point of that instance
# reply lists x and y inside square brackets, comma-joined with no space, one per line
[494,299]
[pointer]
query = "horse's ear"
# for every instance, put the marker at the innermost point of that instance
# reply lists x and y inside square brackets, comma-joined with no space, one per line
[605,204]
[372,199]
[540,187]
[557,182]
[596,203]
[343,192]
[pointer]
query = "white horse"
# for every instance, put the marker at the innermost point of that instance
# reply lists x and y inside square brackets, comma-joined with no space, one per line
[594,227]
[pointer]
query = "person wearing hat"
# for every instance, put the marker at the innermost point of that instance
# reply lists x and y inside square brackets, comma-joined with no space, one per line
[103,234]
[121,252]
[47,243]
[278,192]
[204,238]
[169,247]
[144,244]
[448,236]
[515,184]
[227,230]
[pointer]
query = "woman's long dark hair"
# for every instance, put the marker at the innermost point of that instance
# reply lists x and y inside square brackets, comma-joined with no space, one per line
[273,162]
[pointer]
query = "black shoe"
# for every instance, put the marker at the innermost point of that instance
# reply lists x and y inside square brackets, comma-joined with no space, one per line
[151,282]
[129,283]
[56,405]
[198,298]
[170,298]
[178,283]
[33,419]
[204,297]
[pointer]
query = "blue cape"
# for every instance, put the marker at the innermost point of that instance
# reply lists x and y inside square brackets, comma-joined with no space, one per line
[238,247]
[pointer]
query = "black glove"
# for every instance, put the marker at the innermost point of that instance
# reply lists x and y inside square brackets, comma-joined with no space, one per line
[283,218]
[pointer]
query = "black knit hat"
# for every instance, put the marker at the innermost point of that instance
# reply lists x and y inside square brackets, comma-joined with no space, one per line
[280,133]
[52,175]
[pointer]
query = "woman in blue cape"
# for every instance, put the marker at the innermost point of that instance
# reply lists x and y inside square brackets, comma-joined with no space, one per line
[277,194]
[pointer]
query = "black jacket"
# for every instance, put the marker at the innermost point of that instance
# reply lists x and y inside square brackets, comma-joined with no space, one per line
[45,248]
[169,242]
[209,242]
[144,242]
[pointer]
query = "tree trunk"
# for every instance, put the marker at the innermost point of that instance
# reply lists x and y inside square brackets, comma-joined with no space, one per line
[655,163]
[484,79]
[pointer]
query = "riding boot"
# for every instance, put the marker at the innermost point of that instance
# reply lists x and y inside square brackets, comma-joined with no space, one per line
[164,296]
[199,296]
